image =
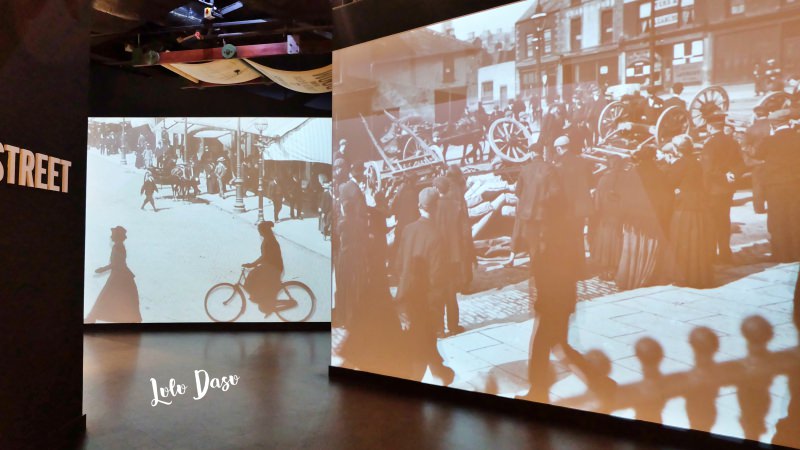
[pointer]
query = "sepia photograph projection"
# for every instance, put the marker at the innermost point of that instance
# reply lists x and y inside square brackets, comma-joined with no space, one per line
[180,227]
[593,204]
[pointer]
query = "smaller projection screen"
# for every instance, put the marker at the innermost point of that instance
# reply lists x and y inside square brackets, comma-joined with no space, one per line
[533,206]
[180,227]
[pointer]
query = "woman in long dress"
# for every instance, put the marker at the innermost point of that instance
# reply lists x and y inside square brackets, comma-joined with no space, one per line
[645,209]
[119,299]
[691,229]
[606,236]
[264,280]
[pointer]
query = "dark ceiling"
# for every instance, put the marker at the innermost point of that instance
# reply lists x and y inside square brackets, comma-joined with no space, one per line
[122,27]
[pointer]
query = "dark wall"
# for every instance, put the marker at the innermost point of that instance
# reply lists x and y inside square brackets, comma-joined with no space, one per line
[43,86]
[366,20]
[116,92]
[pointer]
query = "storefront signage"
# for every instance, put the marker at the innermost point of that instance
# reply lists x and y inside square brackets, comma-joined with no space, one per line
[666,19]
[580,10]
[664,4]
[34,170]
[688,73]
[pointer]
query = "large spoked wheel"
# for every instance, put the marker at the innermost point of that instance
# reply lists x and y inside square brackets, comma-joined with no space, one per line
[509,139]
[295,302]
[224,302]
[411,148]
[373,176]
[672,122]
[609,118]
[775,101]
[711,100]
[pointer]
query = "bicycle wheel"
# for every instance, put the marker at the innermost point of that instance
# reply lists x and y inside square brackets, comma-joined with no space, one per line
[224,302]
[295,302]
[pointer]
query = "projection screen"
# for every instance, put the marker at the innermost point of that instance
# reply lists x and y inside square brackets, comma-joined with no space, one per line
[532,205]
[180,227]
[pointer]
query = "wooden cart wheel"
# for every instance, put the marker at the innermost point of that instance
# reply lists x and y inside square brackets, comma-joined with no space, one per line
[708,101]
[609,118]
[671,122]
[411,148]
[509,139]
[775,101]
[373,176]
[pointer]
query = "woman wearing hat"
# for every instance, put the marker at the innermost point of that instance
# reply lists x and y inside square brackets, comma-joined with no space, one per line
[119,299]
[691,245]
[264,280]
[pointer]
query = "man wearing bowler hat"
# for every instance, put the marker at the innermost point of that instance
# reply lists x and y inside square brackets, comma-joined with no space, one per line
[722,163]
[781,155]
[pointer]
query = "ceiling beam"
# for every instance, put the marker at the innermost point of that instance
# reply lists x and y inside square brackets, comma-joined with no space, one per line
[243,51]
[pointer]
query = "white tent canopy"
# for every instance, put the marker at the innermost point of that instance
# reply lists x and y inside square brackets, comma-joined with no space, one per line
[294,139]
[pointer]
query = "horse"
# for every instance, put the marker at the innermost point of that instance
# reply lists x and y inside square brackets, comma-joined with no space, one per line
[182,180]
[468,133]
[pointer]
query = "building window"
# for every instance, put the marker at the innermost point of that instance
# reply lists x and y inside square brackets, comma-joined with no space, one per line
[687,52]
[487,91]
[449,69]
[575,34]
[606,26]
[736,7]
[528,80]
[644,17]
[530,43]
[548,41]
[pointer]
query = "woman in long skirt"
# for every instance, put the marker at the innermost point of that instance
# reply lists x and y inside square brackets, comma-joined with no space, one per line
[691,249]
[606,236]
[119,299]
[645,208]
[264,281]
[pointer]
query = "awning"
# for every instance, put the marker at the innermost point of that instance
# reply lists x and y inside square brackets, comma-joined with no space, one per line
[211,134]
[310,141]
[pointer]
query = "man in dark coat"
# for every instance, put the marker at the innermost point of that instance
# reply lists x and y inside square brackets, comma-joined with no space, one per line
[541,207]
[675,99]
[722,162]
[577,181]
[295,198]
[453,224]
[756,132]
[421,269]
[148,187]
[275,194]
[781,155]
[405,206]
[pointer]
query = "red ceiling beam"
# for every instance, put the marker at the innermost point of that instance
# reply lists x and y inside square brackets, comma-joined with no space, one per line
[243,51]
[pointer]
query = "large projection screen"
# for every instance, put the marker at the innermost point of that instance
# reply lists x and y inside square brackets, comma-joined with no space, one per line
[533,206]
[172,211]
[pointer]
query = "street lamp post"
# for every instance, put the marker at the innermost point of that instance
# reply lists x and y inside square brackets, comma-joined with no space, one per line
[261,126]
[124,161]
[539,16]
[239,181]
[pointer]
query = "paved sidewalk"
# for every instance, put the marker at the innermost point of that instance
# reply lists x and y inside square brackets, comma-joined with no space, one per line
[494,357]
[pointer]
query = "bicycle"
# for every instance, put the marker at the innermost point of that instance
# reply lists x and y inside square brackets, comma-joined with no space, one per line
[226,302]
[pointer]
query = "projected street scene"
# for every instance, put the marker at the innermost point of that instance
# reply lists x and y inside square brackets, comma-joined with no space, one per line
[556,202]
[180,227]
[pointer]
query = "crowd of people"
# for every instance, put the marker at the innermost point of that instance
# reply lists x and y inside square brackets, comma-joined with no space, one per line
[213,170]
[657,216]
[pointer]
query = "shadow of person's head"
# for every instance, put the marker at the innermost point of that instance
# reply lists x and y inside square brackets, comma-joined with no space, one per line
[119,234]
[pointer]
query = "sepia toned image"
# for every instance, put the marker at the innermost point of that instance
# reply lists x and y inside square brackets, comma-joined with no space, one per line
[592,204]
[181,227]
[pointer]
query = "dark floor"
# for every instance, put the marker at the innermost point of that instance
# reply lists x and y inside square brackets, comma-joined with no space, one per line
[283,400]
